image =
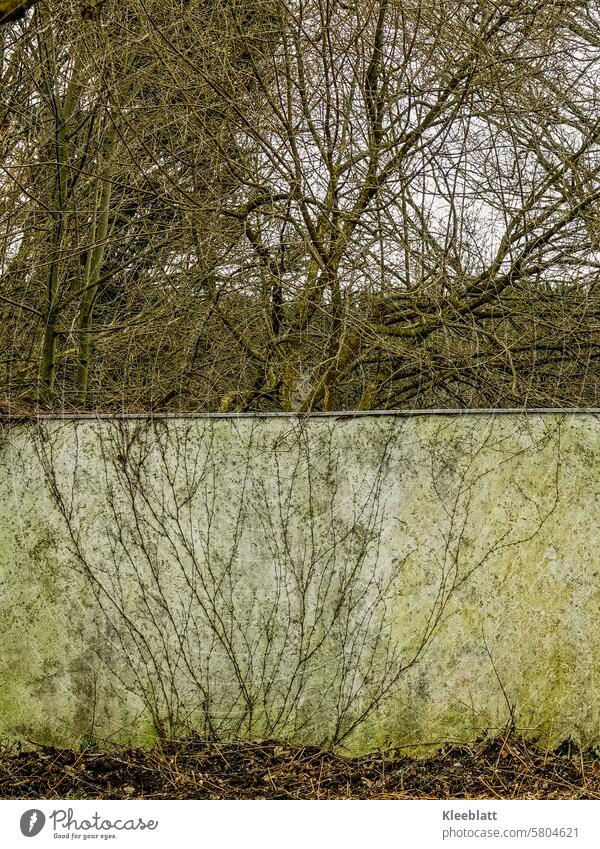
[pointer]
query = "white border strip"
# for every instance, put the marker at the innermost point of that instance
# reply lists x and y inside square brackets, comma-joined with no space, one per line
[300,825]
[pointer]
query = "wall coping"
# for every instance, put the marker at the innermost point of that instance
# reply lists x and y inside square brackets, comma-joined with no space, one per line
[336,414]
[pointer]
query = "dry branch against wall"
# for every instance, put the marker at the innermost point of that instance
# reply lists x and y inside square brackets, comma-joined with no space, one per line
[254,581]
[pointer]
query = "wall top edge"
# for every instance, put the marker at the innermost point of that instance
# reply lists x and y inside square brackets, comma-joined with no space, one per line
[339,415]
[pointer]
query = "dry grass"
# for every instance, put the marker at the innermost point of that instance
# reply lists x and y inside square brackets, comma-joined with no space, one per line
[506,767]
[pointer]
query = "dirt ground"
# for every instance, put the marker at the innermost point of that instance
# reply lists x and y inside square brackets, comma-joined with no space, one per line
[502,768]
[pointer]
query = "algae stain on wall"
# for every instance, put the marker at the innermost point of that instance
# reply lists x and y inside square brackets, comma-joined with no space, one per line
[365,583]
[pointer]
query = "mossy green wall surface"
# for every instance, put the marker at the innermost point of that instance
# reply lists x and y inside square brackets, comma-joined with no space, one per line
[370,582]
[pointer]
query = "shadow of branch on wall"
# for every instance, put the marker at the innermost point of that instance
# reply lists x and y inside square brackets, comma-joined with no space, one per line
[281,581]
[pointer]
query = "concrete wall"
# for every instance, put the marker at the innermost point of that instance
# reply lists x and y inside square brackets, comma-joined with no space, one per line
[362,582]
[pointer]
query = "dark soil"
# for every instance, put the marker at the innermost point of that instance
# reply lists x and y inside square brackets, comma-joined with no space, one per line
[503,768]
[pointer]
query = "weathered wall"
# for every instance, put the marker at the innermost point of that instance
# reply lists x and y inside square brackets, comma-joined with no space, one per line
[363,582]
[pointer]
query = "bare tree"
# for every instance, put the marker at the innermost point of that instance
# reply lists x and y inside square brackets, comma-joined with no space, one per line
[316,205]
[417,218]
[13,10]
